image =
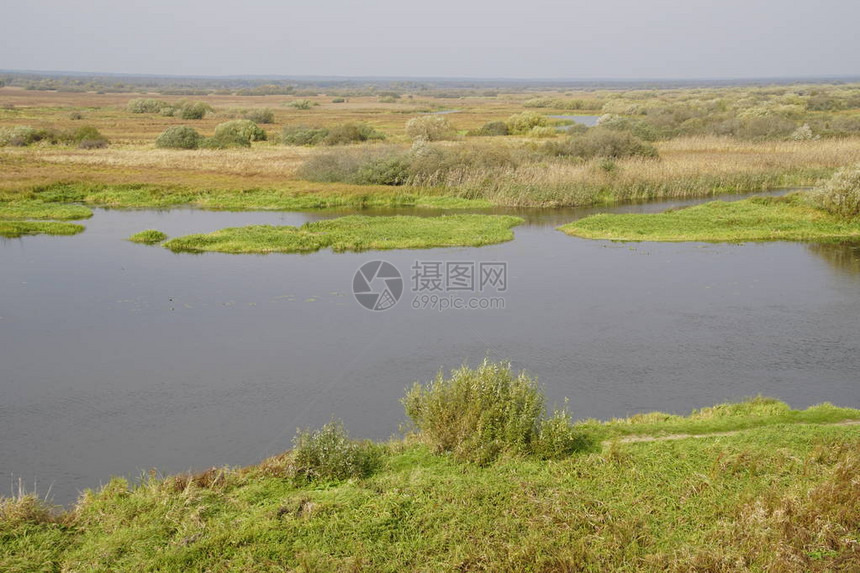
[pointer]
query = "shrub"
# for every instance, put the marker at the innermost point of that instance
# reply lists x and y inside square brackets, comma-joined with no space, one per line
[146,105]
[841,194]
[179,137]
[338,100]
[330,454]
[343,166]
[235,133]
[492,128]
[391,170]
[351,133]
[477,414]
[542,131]
[558,438]
[85,137]
[301,104]
[430,128]
[803,133]
[522,123]
[93,144]
[602,142]
[260,115]
[75,115]
[18,135]
[194,110]
[301,135]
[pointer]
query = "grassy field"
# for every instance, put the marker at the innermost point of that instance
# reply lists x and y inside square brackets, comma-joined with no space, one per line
[354,233]
[780,493]
[788,218]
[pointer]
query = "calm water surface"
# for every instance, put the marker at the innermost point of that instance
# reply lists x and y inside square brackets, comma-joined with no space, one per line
[117,357]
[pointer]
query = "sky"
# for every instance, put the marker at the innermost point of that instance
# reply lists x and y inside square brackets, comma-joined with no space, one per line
[605,39]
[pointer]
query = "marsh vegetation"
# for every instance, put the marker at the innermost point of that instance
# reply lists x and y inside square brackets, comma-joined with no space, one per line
[503,148]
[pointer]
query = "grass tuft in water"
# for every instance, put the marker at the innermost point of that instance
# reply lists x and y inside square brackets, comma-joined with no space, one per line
[148,237]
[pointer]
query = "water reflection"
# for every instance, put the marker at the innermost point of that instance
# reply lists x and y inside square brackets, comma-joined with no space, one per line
[844,257]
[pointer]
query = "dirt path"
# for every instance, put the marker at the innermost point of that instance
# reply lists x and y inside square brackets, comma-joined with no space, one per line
[635,439]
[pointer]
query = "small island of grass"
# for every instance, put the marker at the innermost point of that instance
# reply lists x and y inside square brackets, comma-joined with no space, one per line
[355,233]
[789,218]
[148,237]
[15,229]
[829,213]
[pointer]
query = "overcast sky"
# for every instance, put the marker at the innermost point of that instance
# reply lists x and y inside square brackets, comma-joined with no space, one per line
[450,38]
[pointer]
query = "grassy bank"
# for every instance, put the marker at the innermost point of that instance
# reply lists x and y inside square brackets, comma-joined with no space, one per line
[789,218]
[354,233]
[142,196]
[780,494]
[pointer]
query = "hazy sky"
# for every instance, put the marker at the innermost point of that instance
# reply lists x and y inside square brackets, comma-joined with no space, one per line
[450,38]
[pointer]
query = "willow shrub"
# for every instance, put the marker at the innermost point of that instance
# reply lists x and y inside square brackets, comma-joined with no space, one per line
[479,414]
[840,195]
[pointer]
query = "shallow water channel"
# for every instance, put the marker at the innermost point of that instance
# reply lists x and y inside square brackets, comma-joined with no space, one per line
[117,357]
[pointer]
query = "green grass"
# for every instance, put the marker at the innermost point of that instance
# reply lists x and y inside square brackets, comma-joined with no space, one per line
[161,197]
[148,237]
[355,233]
[20,210]
[15,229]
[789,218]
[729,417]
[780,495]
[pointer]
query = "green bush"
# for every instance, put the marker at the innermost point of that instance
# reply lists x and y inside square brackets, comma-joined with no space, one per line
[194,110]
[338,100]
[840,195]
[263,116]
[522,123]
[235,133]
[302,135]
[392,170]
[330,454]
[477,414]
[351,133]
[18,136]
[542,132]
[350,166]
[430,128]
[147,105]
[602,142]
[179,137]
[558,438]
[85,137]
[491,128]
[302,104]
